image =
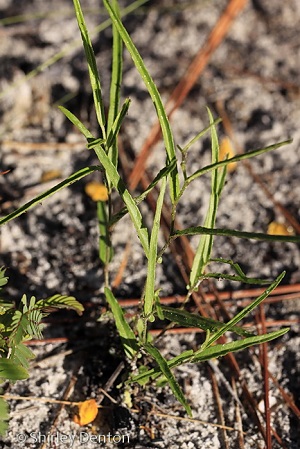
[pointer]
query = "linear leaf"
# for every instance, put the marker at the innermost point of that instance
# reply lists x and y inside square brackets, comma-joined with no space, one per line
[209,353]
[196,230]
[92,66]
[115,128]
[76,122]
[115,90]
[237,158]
[154,373]
[43,196]
[165,369]
[217,182]
[228,326]
[152,89]
[199,135]
[105,246]
[127,336]
[186,319]
[152,260]
[221,350]
[162,173]
[240,275]
[114,177]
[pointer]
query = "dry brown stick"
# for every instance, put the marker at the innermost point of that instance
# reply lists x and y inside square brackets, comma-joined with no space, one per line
[286,397]
[192,74]
[264,362]
[110,382]
[119,276]
[68,391]
[238,417]
[216,393]
[282,293]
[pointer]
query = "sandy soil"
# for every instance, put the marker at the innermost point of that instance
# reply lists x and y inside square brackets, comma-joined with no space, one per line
[254,77]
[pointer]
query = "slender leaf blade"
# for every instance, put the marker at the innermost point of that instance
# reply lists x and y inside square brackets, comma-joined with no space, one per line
[228,326]
[117,182]
[196,230]
[186,319]
[237,158]
[162,173]
[115,128]
[127,336]
[105,246]
[115,88]
[165,369]
[234,346]
[43,196]
[217,182]
[152,260]
[92,66]
[152,89]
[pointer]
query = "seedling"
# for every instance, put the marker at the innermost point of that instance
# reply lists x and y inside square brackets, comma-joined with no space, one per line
[135,338]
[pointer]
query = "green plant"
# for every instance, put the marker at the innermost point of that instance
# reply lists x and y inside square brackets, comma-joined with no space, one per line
[135,339]
[18,325]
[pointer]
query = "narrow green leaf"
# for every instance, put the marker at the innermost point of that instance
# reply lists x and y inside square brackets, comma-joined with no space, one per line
[143,377]
[234,277]
[199,135]
[186,319]
[11,371]
[118,183]
[127,336]
[114,177]
[217,182]
[152,260]
[105,247]
[76,122]
[221,350]
[208,354]
[237,158]
[165,369]
[92,143]
[240,274]
[115,128]
[196,230]
[38,199]
[152,89]
[162,173]
[92,66]
[228,326]
[115,88]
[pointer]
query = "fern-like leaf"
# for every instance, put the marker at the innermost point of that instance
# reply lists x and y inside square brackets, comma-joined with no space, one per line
[59,302]
[22,355]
